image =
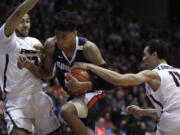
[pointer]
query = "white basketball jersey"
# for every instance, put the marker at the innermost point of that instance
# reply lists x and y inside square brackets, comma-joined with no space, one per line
[167,97]
[15,81]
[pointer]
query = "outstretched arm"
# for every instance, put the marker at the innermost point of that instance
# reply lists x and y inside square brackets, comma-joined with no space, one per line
[15,18]
[120,79]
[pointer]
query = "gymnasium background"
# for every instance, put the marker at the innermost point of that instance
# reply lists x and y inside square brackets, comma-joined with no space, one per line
[119,28]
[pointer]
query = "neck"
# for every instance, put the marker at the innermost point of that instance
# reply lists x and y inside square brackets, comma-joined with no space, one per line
[158,62]
[162,61]
[19,35]
[70,51]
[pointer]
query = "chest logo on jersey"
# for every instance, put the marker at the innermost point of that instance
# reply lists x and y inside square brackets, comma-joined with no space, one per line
[62,66]
[25,51]
[31,55]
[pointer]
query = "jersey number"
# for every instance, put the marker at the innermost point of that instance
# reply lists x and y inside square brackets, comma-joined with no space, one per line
[176,77]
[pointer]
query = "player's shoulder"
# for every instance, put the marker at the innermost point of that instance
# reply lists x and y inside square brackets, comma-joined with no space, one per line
[50,41]
[90,46]
[2,28]
[33,40]
[4,37]
[50,44]
[85,42]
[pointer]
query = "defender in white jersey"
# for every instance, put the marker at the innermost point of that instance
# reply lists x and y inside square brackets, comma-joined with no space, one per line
[27,108]
[162,86]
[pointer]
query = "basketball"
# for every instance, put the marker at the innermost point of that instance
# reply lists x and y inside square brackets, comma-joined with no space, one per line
[81,74]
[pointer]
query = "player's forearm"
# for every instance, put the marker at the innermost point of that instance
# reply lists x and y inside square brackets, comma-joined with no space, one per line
[108,75]
[39,72]
[115,78]
[13,21]
[149,112]
[26,6]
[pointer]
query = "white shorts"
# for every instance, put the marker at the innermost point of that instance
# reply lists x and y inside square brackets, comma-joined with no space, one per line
[159,132]
[86,101]
[169,123]
[32,113]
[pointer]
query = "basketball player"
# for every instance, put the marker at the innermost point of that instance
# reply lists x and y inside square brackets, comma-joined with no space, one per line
[162,86]
[27,107]
[62,51]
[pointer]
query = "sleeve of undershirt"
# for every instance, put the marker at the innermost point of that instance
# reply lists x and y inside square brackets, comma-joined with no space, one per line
[7,44]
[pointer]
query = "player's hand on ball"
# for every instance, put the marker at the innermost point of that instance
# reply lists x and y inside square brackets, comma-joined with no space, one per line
[71,83]
[75,87]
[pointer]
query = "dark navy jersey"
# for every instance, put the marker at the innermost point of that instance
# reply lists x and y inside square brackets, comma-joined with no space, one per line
[63,63]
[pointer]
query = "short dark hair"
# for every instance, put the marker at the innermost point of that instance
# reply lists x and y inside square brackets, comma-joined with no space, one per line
[66,21]
[159,46]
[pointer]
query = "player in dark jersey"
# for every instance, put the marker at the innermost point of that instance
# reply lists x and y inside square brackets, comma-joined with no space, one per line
[62,51]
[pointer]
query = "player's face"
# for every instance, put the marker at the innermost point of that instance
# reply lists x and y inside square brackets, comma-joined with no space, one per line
[24,26]
[149,59]
[65,39]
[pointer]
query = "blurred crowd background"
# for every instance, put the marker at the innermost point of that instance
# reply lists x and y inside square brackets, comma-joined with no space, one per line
[120,33]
